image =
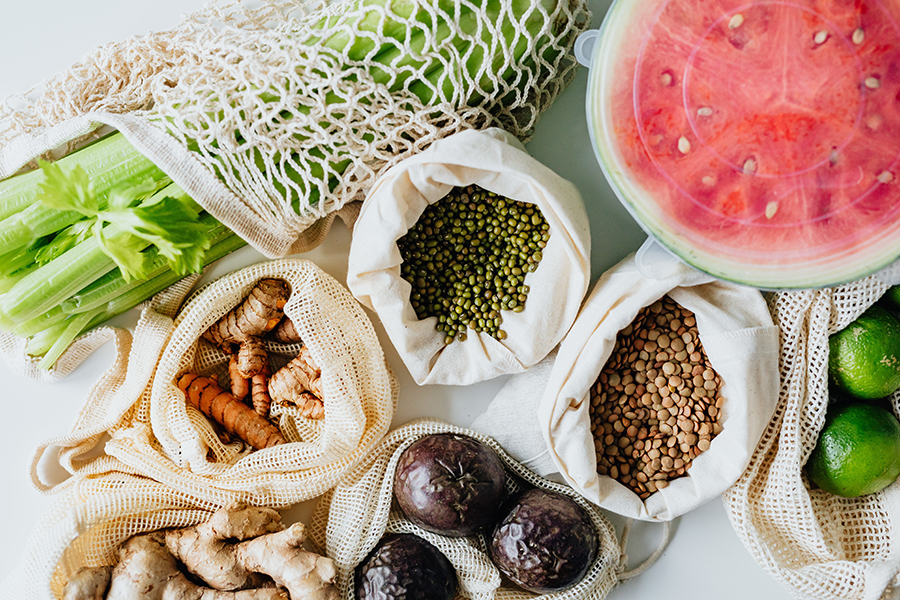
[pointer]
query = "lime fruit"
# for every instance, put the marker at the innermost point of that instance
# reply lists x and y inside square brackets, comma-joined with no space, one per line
[858,450]
[864,357]
[891,298]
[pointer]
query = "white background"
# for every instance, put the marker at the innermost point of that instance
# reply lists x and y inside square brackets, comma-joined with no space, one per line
[704,559]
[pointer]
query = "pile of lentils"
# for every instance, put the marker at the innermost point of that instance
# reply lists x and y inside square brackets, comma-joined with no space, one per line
[466,259]
[656,404]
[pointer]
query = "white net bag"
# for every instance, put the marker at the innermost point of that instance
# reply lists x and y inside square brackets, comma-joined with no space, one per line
[165,465]
[820,546]
[274,117]
[351,519]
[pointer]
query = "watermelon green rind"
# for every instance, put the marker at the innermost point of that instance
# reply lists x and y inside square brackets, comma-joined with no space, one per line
[871,246]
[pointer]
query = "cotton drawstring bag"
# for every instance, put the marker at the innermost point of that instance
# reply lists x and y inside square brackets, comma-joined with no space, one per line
[494,160]
[350,520]
[741,342]
[820,546]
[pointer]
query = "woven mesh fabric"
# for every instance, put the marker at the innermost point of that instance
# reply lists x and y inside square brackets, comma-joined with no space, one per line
[292,109]
[820,546]
[351,519]
[164,464]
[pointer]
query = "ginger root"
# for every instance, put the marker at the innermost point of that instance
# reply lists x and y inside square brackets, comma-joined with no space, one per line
[280,556]
[88,583]
[204,394]
[258,313]
[147,571]
[208,551]
[241,552]
[299,383]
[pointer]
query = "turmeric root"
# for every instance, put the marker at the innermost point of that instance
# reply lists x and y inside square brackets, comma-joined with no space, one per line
[88,583]
[306,575]
[240,385]
[147,571]
[260,392]
[286,332]
[204,394]
[258,313]
[251,357]
[208,549]
[298,376]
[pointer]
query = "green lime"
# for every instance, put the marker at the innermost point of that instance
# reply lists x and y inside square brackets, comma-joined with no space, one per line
[891,298]
[864,357]
[858,450]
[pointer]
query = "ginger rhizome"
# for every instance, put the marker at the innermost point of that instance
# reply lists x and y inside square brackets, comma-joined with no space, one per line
[88,583]
[204,394]
[299,383]
[241,553]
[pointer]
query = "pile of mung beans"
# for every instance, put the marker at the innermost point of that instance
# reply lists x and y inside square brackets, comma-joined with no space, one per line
[656,403]
[466,259]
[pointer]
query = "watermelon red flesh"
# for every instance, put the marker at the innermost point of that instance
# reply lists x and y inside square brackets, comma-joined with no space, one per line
[767,131]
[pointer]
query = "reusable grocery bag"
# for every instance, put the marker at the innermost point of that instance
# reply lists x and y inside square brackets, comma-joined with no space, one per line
[494,160]
[545,414]
[163,457]
[272,115]
[820,546]
[350,520]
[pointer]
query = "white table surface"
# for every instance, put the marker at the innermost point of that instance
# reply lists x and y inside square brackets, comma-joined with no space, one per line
[704,559]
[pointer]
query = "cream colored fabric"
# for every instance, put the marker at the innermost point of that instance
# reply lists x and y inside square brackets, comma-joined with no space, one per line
[741,342]
[163,463]
[351,519]
[495,161]
[821,547]
[185,99]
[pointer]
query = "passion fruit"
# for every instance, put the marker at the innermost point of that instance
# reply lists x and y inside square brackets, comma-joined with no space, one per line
[450,484]
[545,542]
[403,566]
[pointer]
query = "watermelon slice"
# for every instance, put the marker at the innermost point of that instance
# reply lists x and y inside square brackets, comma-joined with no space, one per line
[759,141]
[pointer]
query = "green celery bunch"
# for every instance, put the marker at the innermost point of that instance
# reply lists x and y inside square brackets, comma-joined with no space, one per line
[114,245]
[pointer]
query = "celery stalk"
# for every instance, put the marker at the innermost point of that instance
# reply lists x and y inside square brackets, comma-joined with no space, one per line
[109,162]
[68,335]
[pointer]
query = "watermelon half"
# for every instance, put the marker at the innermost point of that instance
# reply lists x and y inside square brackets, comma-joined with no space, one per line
[758,141]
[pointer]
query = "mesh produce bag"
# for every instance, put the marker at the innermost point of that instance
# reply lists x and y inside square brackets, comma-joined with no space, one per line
[164,459]
[819,546]
[275,116]
[351,519]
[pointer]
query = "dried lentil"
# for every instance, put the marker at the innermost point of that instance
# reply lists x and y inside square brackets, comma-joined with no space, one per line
[681,415]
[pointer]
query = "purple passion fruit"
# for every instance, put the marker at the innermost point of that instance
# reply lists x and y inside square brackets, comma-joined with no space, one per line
[545,542]
[450,484]
[403,566]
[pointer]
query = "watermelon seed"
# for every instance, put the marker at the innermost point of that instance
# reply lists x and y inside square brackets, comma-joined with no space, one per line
[874,122]
[684,145]
[709,180]
[736,21]
[771,209]
[749,166]
[873,83]
[704,112]
[858,36]
[833,157]
[666,79]
[821,37]
[885,177]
